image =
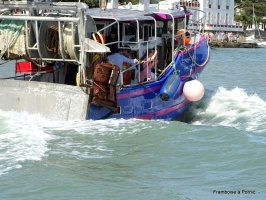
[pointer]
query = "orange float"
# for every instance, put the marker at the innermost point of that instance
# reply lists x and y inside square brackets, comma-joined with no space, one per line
[185,36]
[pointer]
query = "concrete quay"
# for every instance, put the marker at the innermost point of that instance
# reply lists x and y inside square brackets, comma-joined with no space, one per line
[234,45]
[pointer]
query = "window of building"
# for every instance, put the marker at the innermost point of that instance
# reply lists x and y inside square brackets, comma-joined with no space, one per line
[209,3]
[209,18]
[219,3]
[226,19]
[218,18]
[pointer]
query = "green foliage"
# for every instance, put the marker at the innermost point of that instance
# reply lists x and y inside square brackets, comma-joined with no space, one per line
[246,16]
[92,3]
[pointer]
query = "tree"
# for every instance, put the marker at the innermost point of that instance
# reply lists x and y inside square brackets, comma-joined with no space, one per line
[246,14]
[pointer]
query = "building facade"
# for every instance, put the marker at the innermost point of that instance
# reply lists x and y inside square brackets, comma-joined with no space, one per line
[219,14]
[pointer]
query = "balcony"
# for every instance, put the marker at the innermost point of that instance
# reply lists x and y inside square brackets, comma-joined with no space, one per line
[190,3]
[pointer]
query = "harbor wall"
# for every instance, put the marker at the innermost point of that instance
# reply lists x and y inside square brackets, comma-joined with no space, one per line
[233,45]
[49,100]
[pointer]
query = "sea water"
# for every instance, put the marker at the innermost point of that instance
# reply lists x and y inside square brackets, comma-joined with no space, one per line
[217,152]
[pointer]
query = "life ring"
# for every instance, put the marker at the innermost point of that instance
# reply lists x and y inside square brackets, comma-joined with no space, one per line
[98,38]
[185,36]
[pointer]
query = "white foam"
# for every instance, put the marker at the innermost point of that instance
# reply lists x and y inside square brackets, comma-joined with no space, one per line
[21,138]
[234,108]
[25,137]
[101,127]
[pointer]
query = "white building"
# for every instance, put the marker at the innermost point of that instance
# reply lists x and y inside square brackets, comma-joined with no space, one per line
[219,14]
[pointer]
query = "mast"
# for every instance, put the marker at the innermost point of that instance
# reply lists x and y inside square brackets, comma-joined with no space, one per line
[255,24]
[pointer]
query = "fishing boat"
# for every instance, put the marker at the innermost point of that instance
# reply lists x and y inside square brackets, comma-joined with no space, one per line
[39,34]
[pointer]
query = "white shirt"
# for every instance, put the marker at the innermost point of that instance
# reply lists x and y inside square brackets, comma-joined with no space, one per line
[118,59]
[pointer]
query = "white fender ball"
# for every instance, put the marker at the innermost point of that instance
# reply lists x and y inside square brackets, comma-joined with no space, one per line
[193,90]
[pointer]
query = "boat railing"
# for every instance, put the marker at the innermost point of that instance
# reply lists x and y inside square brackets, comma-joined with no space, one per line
[197,20]
[139,42]
[37,5]
[143,48]
[67,20]
[36,27]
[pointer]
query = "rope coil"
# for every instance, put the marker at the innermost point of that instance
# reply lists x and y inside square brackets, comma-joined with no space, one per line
[69,41]
[52,39]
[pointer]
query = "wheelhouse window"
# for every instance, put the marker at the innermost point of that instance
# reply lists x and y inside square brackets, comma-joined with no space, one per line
[129,32]
[166,27]
[180,23]
[100,26]
[160,26]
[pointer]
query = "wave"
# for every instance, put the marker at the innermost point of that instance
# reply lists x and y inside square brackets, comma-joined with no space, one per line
[95,139]
[234,108]
[25,137]
[21,138]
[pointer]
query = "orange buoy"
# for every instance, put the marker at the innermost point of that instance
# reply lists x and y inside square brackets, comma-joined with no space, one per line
[185,36]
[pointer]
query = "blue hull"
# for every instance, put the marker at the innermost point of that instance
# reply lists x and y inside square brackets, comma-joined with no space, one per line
[144,102]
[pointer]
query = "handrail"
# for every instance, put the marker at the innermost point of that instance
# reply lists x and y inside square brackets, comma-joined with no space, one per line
[43,5]
[198,22]
[40,18]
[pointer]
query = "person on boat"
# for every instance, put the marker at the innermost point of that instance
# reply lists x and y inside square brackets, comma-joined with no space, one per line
[112,37]
[60,71]
[15,11]
[127,74]
[147,65]
[118,59]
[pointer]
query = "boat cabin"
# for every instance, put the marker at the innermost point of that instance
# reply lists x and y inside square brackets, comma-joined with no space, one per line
[141,32]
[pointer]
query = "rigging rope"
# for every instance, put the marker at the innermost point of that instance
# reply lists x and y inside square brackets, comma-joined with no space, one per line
[194,59]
